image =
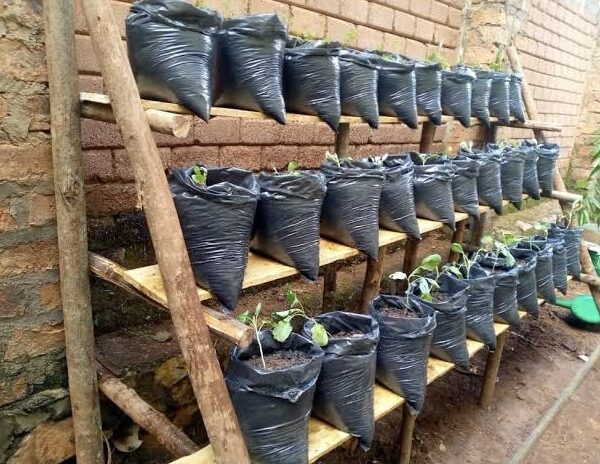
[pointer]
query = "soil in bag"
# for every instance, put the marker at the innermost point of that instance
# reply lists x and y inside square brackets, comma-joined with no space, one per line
[172,49]
[216,221]
[397,205]
[500,96]
[531,184]
[252,50]
[348,374]
[311,81]
[450,336]
[358,86]
[350,213]
[464,186]
[526,261]
[516,101]
[480,99]
[506,306]
[543,267]
[547,156]
[572,238]
[456,93]
[273,404]
[512,167]
[433,190]
[406,331]
[286,225]
[479,317]
[489,184]
[396,90]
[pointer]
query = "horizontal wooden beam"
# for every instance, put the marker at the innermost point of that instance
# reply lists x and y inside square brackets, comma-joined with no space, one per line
[565,196]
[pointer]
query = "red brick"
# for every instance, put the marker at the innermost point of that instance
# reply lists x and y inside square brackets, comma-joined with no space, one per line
[420,7]
[297,133]
[98,134]
[26,163]
[264,132]
[405,23]
[110,199]
[398,4]
[304,22]
[323,134]
[393,134]
[380,16]
[7,220]
[228,8]
[415,49]
[359,133]
[197,154]
[120,11]
[439,12]
[93,84]
[424,30]
[311,157]
[330,6]
[278,156]
[369,39]
[98,165]
[355,10]
[29,257]
[219,131]
[13,301]
[42,210]
[270,6]
[49,295]
[393,43]
[12,390]
[445,35]
[248,157]
[341,31]
[123,169]
[32,342]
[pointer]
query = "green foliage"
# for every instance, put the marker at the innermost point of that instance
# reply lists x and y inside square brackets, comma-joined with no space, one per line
[378,159]
[292,167]
[588,210]
[199,175]
[333,158]
[498,63]
[282,321]
[429,266]
[253,320]
[350,37]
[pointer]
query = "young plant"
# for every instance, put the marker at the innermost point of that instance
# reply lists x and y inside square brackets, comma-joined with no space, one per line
[427,285]
[292,167]
[541,228]
[253,320]
[333,158]
[466,146]
[282,322]
[437,57]
[465,260]
[199,175]
[498,63]
[378,159]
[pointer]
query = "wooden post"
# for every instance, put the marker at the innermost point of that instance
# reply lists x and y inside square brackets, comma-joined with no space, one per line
[342,139]
[491,372]
[458,237]
[329,285]
[587,268]
[191,331]
[406,435]
[478,230]
[427,136]
[372,280]
[72,229]
[491,134]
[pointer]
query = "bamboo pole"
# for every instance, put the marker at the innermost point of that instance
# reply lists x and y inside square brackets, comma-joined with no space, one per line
[191,331]
[72,229]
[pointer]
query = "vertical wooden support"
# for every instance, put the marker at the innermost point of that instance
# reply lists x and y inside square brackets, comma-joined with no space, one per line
[329,285]
[478,230]
[372,280]
[458,237]
[191,331]
[427,135]
[406,435]
[72,229]
[491,372]
[342,139]
[411,250]
[491,134]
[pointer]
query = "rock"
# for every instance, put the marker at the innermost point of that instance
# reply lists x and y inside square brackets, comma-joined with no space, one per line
[162,336]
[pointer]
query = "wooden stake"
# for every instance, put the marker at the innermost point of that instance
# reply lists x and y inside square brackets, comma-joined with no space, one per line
[72,229]
[191,331]
[478,230]
[427,136]
[342,139]
[458,237]
[491,372]
[406,435]
[372,280]
[329,285]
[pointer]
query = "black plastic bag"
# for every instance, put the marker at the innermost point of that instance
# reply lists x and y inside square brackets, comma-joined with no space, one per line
[516,102]
[543,267]
[286,226]
[456,93]
[480,100]
[559,264]
[273,406]
[572,238]
[403,349]
[172,50]
[251,69]
[506,306]
[347,376]
[397,205]
[512,168]
[464,186]
[358,86]
[479,317]
[396,90]
[433,190]
[450,336]
[548,154]
[531,184]
[500,97]
[527,288]
[311,81]
[489,184]
[216,221]
[429,90]
[350,213]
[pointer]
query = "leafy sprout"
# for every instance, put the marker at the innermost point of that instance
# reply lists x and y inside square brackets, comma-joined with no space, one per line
[427,285]
[292,167]
[498,63]
[541,228]
[199,175]
[253,320]
[466,146]
[437,57]
[282,321]
[378,159]
[334,158]
[589,209]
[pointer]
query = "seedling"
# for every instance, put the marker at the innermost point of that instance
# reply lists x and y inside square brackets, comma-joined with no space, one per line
[333,158]
[437,57]
[541,229]
[253,321]
[466,146]
[464,259]
[496,248]
[282,322]
[498,63]
[424,157]
[427,285]
[199,175]
[378,159]
[292,167]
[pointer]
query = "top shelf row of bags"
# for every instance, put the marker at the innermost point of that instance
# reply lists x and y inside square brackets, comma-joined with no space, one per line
[188,55]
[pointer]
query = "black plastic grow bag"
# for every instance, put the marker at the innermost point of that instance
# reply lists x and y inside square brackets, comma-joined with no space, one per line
[464,186]
[543,267]
[506,306]
[286,226]
[216,221]
[559,264]
[572,238]
[489,185]
[429,90]
[512,168]
[358,86]
[456,93]
[548,154]
[450,336]
[516,101]
[527,287]
[531,184]
[500,97]
[396,90]
[172,50]
[480,100]
[273,406]
[350,213]
[311,81]
[251,68]
[433,190]
[403,349]
[397,205]
[347,376]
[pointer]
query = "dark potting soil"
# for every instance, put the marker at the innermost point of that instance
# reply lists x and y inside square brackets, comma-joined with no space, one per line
[347,334]
[395,312]
[440,297]
[279,360]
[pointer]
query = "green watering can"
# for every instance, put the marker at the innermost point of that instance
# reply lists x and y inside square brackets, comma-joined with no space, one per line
[582,307]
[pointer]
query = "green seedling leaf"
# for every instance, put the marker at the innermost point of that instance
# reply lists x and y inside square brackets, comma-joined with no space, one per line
[424,287]
[456,248]
[431,262]
[456,271]
[332,158]
[243,317]
[282,330]
[487,240]
[257,309]
[290,296]
[319,334]
[398,276]
[292,166]
[199,175]
[280,315]
[427,296]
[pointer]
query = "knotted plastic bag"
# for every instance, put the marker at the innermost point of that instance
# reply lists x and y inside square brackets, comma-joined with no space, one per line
[404,345]
[548,154]
[358,86]
[172,50]
[489,185]
[347,376]
[527,288]
[464,186]
[216,221]
[273,405]
[480,101]
[286,226]
[543,267]
[506,306]
[251,69]
[531,184]
[396,90]
[572,238]
[516,101]
[500,97]
[456,93]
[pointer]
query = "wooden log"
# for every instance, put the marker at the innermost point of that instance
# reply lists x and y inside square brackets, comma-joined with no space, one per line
[329,286]
[191,330]
[342,139]
[427,137]
[457,237]
[565,196]
[372,280]
[491,134]
[69,190]
[177,125]
[148,418]
[478,230]
[406,435]
[491,372]
[218,323]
